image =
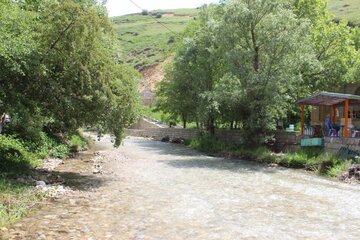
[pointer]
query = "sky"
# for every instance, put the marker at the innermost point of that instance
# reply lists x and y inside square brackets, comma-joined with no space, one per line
[122,7]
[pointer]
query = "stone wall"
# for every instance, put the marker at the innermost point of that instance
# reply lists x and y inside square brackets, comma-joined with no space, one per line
[287,141]
[333,144]
[229,136]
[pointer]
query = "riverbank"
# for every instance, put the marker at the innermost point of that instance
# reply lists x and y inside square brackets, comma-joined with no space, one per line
[26,181]
[310,159]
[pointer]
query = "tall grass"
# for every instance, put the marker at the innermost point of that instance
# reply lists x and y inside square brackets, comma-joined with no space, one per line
[16,200]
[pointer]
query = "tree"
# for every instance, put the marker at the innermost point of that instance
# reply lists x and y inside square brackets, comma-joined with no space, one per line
[66,72]
[264,45]
[333,47]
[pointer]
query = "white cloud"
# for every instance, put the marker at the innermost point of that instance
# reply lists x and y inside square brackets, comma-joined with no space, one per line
[122,7]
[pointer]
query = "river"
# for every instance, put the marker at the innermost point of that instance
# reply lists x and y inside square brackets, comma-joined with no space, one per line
[155,190]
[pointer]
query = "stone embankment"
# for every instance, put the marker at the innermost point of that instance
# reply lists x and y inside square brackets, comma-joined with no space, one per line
[352,175]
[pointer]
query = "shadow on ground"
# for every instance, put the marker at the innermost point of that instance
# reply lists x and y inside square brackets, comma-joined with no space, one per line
[74,180]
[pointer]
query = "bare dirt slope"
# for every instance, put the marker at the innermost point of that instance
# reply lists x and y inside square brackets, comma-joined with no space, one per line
[152,75]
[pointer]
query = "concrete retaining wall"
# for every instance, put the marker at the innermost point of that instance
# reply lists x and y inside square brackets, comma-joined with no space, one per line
[287,141]
[333,144]
[229,136]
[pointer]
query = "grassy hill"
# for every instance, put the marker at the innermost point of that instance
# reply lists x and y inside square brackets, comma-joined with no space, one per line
[144,41]
[345,9]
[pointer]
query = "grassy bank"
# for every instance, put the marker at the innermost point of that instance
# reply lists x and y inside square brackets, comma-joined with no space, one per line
[16,200]
[18,156]
[312,159]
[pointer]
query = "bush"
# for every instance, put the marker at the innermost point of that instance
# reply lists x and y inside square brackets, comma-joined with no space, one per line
[14,156]
[158,15]
[78,142]
[207,143]
[60,151]
[46,145]
[337,168]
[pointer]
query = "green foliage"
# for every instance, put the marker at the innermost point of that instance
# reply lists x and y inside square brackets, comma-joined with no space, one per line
[16,199]
[59,68]
[313,159]
[60,151]
[78,142]
[338,168]
[207,143]
[261,154]
[14,156]
[245,63]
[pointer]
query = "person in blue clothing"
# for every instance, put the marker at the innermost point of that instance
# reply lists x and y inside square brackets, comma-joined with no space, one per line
[332,129]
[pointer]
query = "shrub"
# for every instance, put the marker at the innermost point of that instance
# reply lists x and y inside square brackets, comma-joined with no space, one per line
[207,143]
[77,142]
[158,15]
[337,168]
[60,151]
[46,145]
[14,156]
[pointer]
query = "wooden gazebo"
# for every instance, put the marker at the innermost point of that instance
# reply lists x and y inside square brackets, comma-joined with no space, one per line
[330,99]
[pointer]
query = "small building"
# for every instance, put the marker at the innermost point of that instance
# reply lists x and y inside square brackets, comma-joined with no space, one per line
[319,113]
[335,119]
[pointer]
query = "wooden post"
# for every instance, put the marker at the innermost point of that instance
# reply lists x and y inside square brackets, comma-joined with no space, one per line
[334,114]
[302,119]
[346,118]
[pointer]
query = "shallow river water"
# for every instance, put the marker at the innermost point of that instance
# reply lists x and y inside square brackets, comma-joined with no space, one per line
[154,190]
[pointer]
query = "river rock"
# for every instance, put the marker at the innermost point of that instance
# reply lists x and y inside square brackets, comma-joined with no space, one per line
[177,140]
[40,184]
[352,174]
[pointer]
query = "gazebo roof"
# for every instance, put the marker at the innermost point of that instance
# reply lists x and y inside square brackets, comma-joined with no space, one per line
[329,99]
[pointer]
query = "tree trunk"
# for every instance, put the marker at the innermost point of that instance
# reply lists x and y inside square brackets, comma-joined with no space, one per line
[184,120]
[211,126]
[256,63]
[2,122]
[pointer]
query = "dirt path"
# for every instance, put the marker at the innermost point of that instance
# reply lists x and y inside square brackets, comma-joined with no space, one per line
[154,190]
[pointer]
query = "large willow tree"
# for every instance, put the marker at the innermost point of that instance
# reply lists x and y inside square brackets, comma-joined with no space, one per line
[58,67]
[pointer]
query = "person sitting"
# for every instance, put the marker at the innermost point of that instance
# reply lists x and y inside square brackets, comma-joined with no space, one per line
[332,130]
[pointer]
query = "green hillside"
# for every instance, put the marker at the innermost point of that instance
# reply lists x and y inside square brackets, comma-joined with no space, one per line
[144,41]
[345,9]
